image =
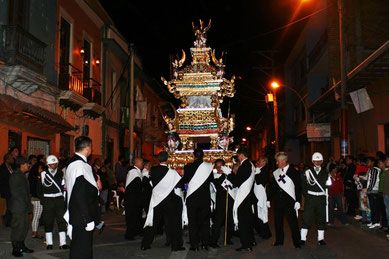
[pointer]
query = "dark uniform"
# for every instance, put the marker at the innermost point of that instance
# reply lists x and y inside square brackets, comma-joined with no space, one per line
[219,215]
[52,184]
[198,207]
[284,207]
[315,201]
[245,209]
[133,206]
[20,207]
[170,210]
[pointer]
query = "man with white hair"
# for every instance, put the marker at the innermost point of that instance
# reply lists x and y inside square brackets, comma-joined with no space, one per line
[285,189]
[315,184]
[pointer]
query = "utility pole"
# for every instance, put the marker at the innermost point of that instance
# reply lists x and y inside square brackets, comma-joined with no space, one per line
[132,118]
[343,79]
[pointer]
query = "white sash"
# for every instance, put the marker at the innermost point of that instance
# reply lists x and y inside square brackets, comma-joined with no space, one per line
[213,191]
[201,175]
[132,174]
[160,192]
[288,186]
[241,194]
[260,193]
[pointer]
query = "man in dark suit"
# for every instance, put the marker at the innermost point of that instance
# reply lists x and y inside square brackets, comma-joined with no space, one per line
[219,215]
[285,189]
[198,176]
[82,200]
[244,180]
[169,207]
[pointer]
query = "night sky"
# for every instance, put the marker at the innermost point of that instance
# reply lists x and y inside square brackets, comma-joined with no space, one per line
[161,28]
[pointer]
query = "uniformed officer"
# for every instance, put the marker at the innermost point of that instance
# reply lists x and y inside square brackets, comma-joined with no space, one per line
[52,185]
[315,188]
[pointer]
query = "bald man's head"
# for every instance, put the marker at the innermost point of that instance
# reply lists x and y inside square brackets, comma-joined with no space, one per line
[138,162]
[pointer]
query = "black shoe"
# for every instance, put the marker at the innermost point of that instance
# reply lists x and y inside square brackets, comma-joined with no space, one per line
[129,238]
[25,249]
[167,244]
[254,243]
[101,229]
[181,248]
[277,244]
[64,247]
[322,243]
[214,245]
[302,242]
[16,250]
[229,242]
[49,247]
[145,248]
[194,249]
[204,247]
[297,246]
[247,249]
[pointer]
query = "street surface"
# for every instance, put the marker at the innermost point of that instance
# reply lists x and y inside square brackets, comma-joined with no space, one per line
[351,241]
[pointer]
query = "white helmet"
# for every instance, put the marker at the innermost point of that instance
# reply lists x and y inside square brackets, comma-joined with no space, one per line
[51,160]
[317,157]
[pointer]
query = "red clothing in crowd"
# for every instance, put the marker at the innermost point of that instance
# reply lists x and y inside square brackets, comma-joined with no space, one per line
[361,169]
[337,186]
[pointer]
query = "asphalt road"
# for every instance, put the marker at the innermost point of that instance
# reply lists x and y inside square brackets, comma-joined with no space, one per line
[354,241]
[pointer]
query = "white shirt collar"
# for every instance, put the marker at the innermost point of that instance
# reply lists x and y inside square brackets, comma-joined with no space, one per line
[82,156]
[285,169]
[163,164]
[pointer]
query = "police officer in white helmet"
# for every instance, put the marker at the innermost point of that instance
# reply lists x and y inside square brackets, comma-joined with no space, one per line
[315,183]
[52,187]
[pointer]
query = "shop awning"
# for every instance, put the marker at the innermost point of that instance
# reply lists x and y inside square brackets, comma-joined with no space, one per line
[31,116]
[366,73]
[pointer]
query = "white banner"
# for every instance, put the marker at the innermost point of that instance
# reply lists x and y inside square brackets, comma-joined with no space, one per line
[141,110]
[318,132]
[361,100]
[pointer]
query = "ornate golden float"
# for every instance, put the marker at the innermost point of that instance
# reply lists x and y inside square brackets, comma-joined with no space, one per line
[201,87]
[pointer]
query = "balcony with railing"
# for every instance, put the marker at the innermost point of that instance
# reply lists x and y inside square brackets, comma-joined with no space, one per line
[24,58]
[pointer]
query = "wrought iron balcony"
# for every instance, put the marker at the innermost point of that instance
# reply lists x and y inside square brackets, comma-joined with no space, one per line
[19,47]
[70,79]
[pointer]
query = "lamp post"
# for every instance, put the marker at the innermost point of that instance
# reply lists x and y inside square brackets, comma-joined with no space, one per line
[275,85]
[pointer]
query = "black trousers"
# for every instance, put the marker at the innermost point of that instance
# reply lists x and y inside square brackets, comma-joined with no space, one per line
[314,206]
[290,213]
[19,227]
[377,207]
[352,202]
[262,229]
[81,245]
[219,218]
[54,209]
[199,224]
[246,224]
[171,213]
[133,211]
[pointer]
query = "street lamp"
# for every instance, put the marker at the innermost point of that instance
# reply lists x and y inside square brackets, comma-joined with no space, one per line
[244,139]
[275,85]
[248,128]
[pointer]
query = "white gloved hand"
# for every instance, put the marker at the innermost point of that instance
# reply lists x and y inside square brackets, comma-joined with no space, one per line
[226,170]
[268,204]
[297,205]
[90,226]
[70,230]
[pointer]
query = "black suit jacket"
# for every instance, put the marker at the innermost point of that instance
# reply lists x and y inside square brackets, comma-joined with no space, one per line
[263,177]
[83,204]
[4,182]
[202,196]
[280,197]
[243,173]
[157,174]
